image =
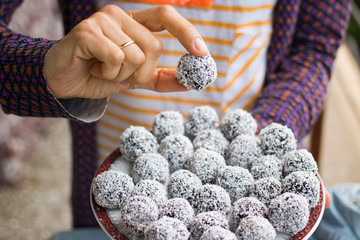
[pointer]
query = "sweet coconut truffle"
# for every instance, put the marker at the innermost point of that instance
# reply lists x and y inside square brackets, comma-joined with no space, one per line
[199,119]
[205,164]
[183,184]
[206,220]
[137,213]
[299,160]
[238,122]
[178,208]
[305,184]
[255,228]
[235,180]
[266,189]
[266,166]
[218,233]
[167,123]
[289,213]
[151,166]
[135,141]
[167,228]
[196,72]
[176,149]
[211,139]
[152,189]
[277,139]
[211,197]
[111,188]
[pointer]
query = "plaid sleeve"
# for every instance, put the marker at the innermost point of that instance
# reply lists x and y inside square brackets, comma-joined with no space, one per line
[295,91]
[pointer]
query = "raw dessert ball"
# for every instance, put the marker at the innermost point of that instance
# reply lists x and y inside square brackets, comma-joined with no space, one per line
[151,166]
[178,208]
[211,198]
[135,141]
[136,214]
[206,220]
[305,184]
[205,164]
[266,166]
[111,188]
[299,160]
[218,233]
[266,189]
[152,189]
[289,213]
[277,139]
[183,184]
[167,228]
[238,122]
[176,149]
[211,139]
[255,228]
[167,123]
[242,151]
[247,206]
[196,72]
[235,180]
[199,119]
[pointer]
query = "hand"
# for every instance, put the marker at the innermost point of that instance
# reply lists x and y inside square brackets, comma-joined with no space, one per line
[327,199]
[88,62]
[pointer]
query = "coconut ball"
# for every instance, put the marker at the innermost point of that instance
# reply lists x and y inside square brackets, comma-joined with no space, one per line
[151,166]
[176,149]
[178,208]
[196,72]
[242,151]
[255,228]
[206,220]
[152,189]
[266,189]
[205,164]
[211,197]
[211,139]
[238,122]
[299,160]
[167,228]
[235,180]
[137,213]
[183,184]
[305,184]
[199,119]
[167,123]
[266,166]
[277,139]
[218,233]
[289,213]
[135,141]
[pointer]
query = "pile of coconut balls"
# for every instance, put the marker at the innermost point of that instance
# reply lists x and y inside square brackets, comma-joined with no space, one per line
[206,178]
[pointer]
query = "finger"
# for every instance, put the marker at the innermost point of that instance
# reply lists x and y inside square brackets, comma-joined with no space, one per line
[327,199]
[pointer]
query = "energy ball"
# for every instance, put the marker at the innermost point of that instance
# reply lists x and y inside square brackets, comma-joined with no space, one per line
[211,197]
[205,164]
[199,119]
[255,228]
[235,180]
[218,233]
[111,188]
[196,72]
[178,208]
[277,139]
[137,213]
[183,184]
[135,141]
[167,228]
[151,166]
[289,213]
[299,160]
[305,184]
[266,189]
[211,139]
[238,122]
[167,123]
[206,220]
[152,189]
[176,149]
[266,166]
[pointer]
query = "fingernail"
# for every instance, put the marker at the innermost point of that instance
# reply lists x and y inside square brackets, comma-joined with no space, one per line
[200,44]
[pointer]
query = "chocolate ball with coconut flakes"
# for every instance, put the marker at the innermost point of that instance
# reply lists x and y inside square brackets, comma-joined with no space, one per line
[152,189]
[178,208]
[183,184]
[299,160]
[167,228]
[218,233]
[211,139]
[151,166]
[255,228]
[266,189]
[167,123]
[201,118]
[266,166]
[206,220]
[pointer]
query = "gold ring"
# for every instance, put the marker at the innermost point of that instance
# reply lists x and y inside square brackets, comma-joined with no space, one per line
[126,44]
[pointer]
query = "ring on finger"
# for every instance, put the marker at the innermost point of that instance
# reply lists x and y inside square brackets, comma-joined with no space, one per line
[126,44]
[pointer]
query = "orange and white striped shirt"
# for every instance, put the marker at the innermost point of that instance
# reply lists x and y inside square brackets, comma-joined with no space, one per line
[237,33]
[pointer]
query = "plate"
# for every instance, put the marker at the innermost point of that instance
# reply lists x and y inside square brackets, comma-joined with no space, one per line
[106,217]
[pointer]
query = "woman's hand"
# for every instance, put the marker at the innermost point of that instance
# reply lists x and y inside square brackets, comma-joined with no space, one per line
[89,63]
